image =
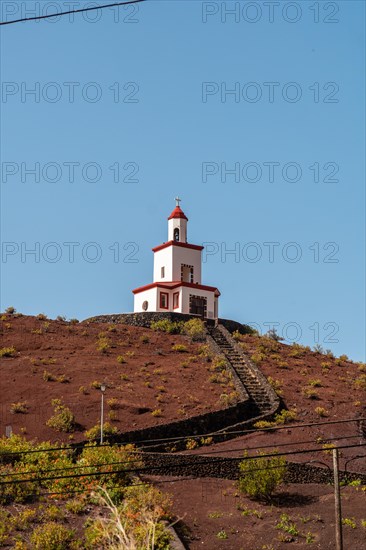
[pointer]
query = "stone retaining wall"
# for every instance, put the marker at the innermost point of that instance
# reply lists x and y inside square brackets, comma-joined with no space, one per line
[144,319]
[227,468]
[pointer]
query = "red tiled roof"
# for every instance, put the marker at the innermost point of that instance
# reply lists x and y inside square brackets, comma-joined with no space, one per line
[177,213]
[175,284]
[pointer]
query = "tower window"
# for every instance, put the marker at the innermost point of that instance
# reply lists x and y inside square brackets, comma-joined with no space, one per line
[162,272]
[176,234]
[164,300]
[175,300]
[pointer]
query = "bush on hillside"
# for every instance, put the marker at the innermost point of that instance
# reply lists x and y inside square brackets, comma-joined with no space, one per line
[260,476]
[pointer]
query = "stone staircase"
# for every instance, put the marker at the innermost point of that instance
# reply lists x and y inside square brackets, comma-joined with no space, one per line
[264,399]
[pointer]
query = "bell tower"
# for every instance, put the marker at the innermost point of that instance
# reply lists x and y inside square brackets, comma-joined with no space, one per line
[177,224]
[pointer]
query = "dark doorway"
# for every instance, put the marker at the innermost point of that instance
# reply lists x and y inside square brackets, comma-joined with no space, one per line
[198,305]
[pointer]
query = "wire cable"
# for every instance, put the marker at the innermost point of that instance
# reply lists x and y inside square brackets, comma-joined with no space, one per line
[81,446]
[36,18]
[188,463]
[152,454]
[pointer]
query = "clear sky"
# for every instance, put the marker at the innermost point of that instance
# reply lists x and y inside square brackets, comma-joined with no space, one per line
[253,112]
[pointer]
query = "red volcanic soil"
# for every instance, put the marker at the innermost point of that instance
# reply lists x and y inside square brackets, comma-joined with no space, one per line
[56,359]
[320,389]
[215,516]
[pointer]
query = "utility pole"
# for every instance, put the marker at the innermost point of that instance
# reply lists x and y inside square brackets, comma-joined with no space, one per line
[102,389]
[337,502]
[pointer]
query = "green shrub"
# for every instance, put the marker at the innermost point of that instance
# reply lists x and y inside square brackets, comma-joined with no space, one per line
[63,420]
[51,536]
[94,432]
[7,352]
[195,329]
[180,348]
[259,477]
[320,411]
[164,325]
[144,339]
[61,318]
[41,317]
[103,345]
[10,310]
[121,359]
[19,407]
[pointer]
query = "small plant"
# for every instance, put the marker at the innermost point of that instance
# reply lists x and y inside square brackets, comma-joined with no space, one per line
[164,325]
[310,393]
[7,352]
[258,357]
[130,354]
[276,385]
[315,382]
[21,407]
[103,345]
[363,523]
[113,403]
[344,358]
[74,321]
[214,515]
[222,535]
[195,329]
[61,318]
[112,328]
[288,526]
[360,382]
[63,420]
[94,432]
[319,349]
[325,365]
[75,506]
[259,476]
[48,376]
[156,412]
[96,385]
[112,415]
[350,522]
[191,444]
[41,317]
[180,348]
[145,339]
[121,359]
[51,536]
[272,333]
[63,379]
[83,390]
[320,411]
[10,310]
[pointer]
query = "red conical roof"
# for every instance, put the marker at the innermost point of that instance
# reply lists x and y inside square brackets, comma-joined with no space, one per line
[178,213]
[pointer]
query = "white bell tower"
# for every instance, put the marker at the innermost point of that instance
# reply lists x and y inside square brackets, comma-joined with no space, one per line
[177,285]
[177,224]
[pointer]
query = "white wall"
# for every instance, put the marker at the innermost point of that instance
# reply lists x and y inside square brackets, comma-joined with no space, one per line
[189,256]
[150,295]
[181,223]
[163,258]
[210,295]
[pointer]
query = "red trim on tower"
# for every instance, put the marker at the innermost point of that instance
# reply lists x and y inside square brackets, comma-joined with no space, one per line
[176,284]
[177,213]
[177,243]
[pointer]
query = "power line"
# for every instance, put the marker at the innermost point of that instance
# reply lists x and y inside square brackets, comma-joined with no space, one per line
[182,464]
[180,438]
[36,18]
[152,454]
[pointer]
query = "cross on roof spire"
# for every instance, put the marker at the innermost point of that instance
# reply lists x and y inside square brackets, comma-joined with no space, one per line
[178,200]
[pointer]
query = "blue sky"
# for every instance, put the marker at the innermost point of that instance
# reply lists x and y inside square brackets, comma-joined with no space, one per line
[152,97]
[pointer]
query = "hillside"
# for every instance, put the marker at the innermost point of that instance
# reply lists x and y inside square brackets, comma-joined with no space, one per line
[149,380]
[152,378]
